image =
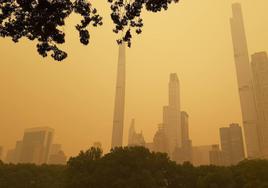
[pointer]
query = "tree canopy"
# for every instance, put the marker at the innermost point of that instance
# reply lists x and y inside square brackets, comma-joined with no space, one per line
[42,20]
[132,167]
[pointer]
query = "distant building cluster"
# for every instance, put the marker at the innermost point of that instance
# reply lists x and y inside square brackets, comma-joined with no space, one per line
[37,147]
[172,136]
[179,146]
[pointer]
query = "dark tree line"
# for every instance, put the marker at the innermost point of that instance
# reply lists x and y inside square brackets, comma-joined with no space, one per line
[42,20]
[134,167]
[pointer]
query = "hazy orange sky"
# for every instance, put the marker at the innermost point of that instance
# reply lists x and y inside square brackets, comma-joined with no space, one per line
[75,97]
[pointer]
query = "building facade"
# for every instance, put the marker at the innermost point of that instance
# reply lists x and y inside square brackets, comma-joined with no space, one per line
[259,63]
[160,140]
[216,156]
[36,145]
[232,144]
[200,155]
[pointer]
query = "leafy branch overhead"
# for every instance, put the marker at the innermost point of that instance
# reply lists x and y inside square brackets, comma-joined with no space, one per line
[43,20]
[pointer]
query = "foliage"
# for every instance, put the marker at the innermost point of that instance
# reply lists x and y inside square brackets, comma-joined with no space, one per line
[132,167]
[126,15]
[43,20]
[31,176]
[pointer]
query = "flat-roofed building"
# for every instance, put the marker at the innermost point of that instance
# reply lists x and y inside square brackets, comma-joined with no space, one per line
[36,145]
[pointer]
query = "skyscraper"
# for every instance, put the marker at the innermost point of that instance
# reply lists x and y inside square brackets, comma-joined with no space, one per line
[172,115]
[232,144]
[259,63]
[244,78]
[119,105]
[36,145]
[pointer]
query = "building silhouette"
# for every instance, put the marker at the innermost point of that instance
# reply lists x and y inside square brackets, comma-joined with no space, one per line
[131,132]
[17,151]
[259,63]
[216,156]
[172,116]
[57,155]
[10,156]
[13,155]
[55,148]
[185,128]
[245,85]
[232,144]
[134,138]
[184,153]
[57,159]
[160,140]
[200,155]
[119,105]
[186,141]
[36,145]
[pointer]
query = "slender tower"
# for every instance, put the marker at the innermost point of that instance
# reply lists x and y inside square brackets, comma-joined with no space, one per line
[244,78]
[119,104]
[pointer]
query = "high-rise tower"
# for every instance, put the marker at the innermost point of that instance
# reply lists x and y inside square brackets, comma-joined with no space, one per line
[259,62]
[232,144]
[172,115]
[119,105]
[244,78]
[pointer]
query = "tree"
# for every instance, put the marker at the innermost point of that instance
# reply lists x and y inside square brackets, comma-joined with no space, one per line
[132,167]
[42,20]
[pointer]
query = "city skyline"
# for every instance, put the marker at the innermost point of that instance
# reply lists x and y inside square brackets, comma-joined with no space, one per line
[146,82]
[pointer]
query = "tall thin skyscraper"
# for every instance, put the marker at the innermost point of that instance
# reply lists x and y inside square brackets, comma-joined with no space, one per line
[244,78]
[119,105]
[172,115]
[259,62]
